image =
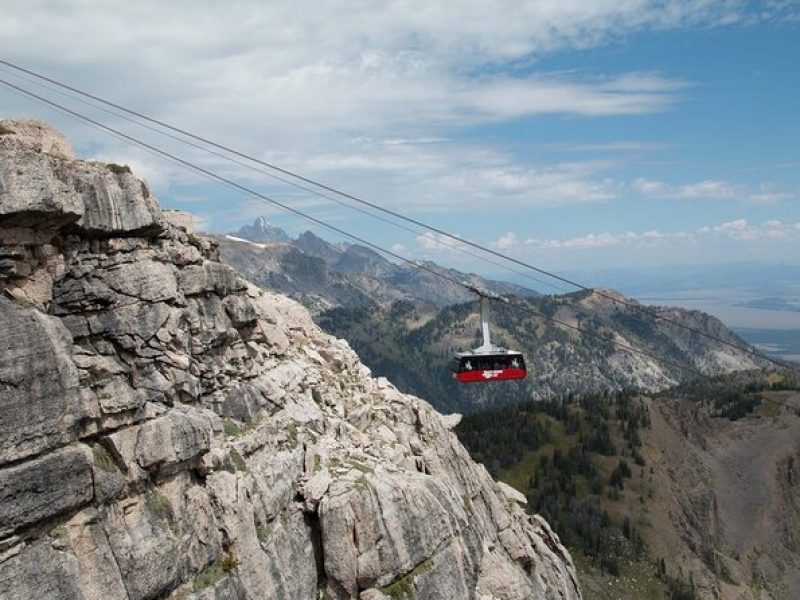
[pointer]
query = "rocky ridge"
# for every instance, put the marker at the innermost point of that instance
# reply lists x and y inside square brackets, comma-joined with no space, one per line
[171,431]
[413,345]
[322,275]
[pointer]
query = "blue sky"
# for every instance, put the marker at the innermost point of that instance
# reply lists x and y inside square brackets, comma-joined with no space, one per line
[574,134]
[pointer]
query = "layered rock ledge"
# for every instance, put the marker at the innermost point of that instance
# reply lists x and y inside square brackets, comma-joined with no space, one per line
[170,431]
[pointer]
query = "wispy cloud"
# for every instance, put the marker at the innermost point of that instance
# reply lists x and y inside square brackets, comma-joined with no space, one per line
[608,147]
[565,183]
[738,230]
[706,189]
[627,95]
[439,243]
[736,239]
[710,189]
[415,141]
[383,104]
[306,79]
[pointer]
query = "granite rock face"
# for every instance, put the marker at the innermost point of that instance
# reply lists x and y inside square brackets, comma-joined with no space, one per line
[171,431]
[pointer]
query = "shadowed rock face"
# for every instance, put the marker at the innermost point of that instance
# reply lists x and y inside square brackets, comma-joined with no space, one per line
[170,431]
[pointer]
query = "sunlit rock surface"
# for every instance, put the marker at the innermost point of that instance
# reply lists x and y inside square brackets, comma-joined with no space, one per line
[170,431]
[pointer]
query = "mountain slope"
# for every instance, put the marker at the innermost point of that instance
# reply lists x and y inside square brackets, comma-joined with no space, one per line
[315,272]
[171,431]
[285,269]
[407,323]
[412,344]
[725,496]
[691,494]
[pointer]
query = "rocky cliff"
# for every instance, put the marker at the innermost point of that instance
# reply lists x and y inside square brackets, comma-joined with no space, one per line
[725,502]
[170,431]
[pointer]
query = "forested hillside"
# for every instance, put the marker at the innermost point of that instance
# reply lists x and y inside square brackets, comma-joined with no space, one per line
[412,344]
[606,469]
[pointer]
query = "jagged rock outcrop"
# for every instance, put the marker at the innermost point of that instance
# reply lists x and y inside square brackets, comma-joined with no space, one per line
[321,275]
[170,431]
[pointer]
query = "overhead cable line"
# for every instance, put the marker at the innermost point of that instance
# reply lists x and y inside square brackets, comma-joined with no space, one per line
[266,199]
[619,301]
[447,242]
[161,154]
[263,198]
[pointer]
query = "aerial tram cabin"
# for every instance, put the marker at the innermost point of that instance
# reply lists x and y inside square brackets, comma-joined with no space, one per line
[488,362]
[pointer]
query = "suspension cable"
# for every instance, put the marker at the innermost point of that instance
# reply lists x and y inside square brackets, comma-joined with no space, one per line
[447,242]
[620,301]
[266,199]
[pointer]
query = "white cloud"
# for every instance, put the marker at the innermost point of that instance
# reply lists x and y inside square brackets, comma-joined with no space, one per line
[589,241]
[738,230]
[368,96]
[438,242]
[630,94]
[728,241]
[609,147]
[415,141]
[254,71]
[504,242]
[708,188]
[398,248]
[711,189]
[566,183]
[737,225]
[257,68]
[768,197]
[741,230]
[649,187]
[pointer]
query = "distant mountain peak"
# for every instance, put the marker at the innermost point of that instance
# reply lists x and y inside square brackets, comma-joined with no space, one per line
[363,260]
[314,245]
[310,236]
[262,231]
